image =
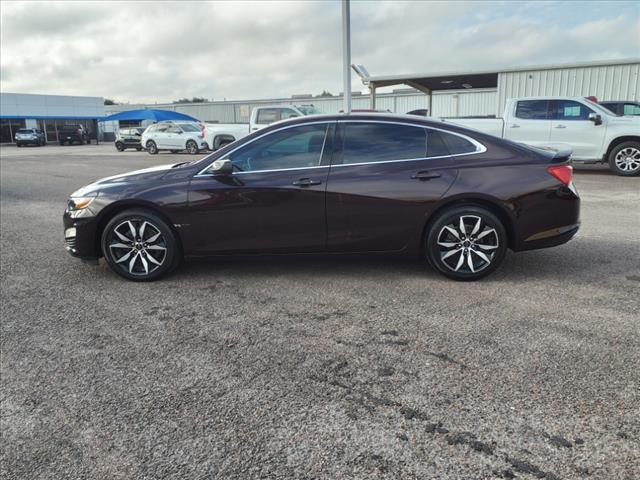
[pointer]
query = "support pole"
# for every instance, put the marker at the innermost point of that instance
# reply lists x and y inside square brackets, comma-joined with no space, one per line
[346,56]
[372,91]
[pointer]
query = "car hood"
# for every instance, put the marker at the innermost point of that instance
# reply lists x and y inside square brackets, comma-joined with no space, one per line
[144,175]
[627,120]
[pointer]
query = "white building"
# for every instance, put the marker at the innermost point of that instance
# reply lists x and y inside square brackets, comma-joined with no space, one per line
[48,113]
[448,94]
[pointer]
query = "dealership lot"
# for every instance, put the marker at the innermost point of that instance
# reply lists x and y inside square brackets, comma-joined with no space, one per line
[315,368]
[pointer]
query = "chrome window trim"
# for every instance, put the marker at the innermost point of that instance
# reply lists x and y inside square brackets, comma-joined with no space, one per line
[480,148]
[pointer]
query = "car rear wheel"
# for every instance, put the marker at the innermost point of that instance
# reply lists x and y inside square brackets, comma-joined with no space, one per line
[120,146]
[139,246]
[466,242]
[192,147]
[624,159]
[152,148]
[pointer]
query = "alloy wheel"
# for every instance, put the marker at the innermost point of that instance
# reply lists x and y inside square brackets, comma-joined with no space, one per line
[467,245]
[628,159]
[192,148]
[138,247]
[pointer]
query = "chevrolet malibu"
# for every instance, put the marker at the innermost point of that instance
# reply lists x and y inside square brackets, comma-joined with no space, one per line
[338,184]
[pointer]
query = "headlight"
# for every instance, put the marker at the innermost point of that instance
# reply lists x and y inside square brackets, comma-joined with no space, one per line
[78,203]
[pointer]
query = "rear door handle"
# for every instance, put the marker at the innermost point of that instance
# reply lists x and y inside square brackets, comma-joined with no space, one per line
[559,126]
[514,125]
[425,176]
[306,182]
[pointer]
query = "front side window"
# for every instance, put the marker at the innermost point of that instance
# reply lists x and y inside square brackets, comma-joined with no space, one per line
[268,115]
[381,142]
[174,129]
[297,147]
[532,109]
[572,110]
[288,113]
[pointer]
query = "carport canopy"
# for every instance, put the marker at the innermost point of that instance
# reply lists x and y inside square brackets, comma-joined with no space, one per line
[149,114]
[430,82]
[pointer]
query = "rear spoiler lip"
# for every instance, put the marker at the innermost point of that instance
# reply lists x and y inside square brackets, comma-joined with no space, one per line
[556,154]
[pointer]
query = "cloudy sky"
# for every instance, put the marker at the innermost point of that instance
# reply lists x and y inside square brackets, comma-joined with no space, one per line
[161,51]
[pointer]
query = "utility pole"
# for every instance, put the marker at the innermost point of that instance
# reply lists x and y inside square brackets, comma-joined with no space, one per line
[346,55]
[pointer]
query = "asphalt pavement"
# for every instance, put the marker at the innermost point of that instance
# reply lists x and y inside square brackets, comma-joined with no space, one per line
[345,368]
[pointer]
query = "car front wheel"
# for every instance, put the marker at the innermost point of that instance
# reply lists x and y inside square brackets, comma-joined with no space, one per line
[466,242]
[139,246]
[152,148]
[624,159]
[120,146]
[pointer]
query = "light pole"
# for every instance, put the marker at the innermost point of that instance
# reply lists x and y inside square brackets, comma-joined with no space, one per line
[346,56]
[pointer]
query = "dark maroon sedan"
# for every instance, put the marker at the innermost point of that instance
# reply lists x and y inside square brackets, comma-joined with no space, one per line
[334,184]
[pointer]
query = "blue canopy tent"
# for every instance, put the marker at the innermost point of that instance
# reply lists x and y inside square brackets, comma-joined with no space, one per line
[148,114]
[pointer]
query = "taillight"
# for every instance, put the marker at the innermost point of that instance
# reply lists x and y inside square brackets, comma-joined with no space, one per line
[202,133]
[564,173]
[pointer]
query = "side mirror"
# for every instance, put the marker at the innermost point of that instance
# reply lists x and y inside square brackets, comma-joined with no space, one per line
[595,118]
[222,167]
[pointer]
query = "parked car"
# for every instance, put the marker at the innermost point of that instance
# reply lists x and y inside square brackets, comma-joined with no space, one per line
[622,107]
[174,136]
[334,184]
[30,136]
[594,133]
[218,134]
[73,134]
[129,138]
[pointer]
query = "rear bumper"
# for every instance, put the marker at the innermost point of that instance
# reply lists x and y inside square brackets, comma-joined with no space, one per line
[550,238]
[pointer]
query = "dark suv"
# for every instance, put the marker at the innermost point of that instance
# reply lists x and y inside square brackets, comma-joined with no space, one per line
[73,134]
[129,138]
[30,136]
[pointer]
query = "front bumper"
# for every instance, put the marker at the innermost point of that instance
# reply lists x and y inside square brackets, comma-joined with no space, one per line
[80,236]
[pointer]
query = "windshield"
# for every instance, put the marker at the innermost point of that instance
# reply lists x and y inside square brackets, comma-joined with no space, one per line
[309,110]
[599,108]
[187,127]
[24,130]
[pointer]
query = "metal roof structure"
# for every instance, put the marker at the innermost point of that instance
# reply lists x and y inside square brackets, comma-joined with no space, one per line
[149,114]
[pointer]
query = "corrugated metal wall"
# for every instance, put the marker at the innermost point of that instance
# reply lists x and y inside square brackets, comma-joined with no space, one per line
[607,82]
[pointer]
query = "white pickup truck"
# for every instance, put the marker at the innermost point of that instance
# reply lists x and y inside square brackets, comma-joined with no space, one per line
[595,134]
[220,134]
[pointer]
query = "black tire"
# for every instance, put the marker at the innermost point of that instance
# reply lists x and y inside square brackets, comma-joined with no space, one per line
[138,149]
[61,144]
[88,141]
[192,147]
[120,146]
[624,159]
[487,239]
[18,145]
[132,261]
[152,148]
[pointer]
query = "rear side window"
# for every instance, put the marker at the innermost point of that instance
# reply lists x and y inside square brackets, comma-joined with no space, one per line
[571,110]
[456,144]
[631,109]
[268,115]
[435,145]
[532,109]
[378,142]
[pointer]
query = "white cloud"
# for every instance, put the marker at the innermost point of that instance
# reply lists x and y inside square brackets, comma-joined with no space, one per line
[144,51]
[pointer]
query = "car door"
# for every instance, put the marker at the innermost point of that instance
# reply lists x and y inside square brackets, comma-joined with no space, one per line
[274,202]
[529,123]
[571,127]
[174,138]
[384,181]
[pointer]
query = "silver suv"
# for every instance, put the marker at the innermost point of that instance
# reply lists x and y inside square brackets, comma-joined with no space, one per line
[174,136]
[30,136]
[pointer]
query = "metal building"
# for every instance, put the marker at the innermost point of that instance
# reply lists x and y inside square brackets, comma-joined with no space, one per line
[448,94]
[48,113]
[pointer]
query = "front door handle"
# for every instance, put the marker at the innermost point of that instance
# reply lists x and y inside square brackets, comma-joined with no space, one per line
[559,126]
[514,125]
[306,182]
[425,175]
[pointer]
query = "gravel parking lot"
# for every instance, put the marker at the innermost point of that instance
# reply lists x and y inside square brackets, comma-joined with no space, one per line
[315,368]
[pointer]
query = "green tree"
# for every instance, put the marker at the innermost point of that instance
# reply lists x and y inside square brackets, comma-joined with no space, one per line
[325,94]
[108,101]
